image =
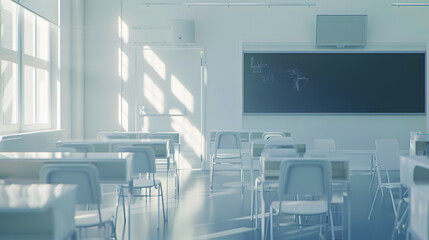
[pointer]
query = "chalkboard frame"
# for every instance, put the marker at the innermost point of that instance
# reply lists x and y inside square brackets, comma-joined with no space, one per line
[336,51]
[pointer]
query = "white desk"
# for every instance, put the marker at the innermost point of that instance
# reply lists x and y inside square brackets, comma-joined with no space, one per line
[414,170]
[37,211]
[161,147]
[113,168]
[419,212]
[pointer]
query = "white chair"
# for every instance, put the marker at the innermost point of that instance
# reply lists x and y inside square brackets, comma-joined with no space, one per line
[59,149]
[144,169]
[268,135]
[386,159]
[406,180]
[299,179]
[172,152]
[88,192]
[80,147]
[227,148]
[272,170]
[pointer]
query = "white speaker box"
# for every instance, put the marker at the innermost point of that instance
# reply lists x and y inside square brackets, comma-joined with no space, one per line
[183,31]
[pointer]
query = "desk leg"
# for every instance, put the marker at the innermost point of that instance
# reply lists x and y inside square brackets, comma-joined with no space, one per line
[130,196]
[262,211]
[166,192]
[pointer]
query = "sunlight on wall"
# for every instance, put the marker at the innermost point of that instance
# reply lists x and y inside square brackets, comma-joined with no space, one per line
[123,30]
[155,62]
[183,94]
[58,104]
[125,66]
[191,136]
[122,113]
[145,125]
[153,94]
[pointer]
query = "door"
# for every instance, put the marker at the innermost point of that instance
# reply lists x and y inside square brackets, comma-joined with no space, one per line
[169,97]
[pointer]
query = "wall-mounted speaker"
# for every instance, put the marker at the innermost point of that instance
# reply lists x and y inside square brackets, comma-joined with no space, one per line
[183,31]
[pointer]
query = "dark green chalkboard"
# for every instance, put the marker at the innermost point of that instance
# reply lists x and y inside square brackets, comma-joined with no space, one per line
[331,83]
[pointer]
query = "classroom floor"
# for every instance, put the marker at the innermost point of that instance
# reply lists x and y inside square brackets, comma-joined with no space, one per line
[224,212]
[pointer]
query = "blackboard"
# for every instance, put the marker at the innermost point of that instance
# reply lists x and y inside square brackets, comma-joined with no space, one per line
[350,83]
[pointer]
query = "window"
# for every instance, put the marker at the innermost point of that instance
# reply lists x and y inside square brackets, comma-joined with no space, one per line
[28,72]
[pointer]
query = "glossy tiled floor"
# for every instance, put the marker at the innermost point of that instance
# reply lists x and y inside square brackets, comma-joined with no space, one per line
[224,212]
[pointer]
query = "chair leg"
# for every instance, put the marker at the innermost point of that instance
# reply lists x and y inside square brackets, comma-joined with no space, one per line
[113,226]
[393,203]
[162,200]
[403,218]
[117,205]
[157,222]
[373,202]
[177,181]
[252,202]
[271,224]
[211,172]
[372,179]
[256,204]
[241,175]
[331,220]
[123,207]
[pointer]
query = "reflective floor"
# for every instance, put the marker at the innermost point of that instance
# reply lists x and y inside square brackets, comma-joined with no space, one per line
[224,212]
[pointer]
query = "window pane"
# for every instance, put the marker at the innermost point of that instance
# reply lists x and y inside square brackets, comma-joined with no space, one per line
[42,96]
[9,77]
[29,95]
[42,42]
[29,33]
[9,25]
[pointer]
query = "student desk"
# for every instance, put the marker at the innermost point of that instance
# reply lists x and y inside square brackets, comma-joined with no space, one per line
[113,168]
[37,211]
[161,147]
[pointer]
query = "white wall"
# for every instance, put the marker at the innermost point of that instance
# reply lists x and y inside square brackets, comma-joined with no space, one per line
[101,66]
[72,68]
[222,31]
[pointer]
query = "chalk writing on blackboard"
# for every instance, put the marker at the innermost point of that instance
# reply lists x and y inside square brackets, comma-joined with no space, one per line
[300,81]
[257,66]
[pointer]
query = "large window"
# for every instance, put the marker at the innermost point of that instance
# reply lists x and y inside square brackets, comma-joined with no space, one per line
[27,69]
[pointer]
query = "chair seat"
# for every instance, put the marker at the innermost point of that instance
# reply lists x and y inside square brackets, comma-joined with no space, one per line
[90,218]
[227,156]
[145,183]
[390,185]
[301,207]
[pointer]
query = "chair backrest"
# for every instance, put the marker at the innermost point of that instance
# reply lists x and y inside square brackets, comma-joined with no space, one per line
[270,161]
[268,135]
[325,145]
[59,149]
[85,176]
[387,154]
[116,136]
[143,159]
[305,178]
[164,136]
[228,140]
[80,147]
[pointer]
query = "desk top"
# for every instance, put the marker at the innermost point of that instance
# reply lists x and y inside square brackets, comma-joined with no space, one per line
[30,198]
[75,156]
[116,141]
